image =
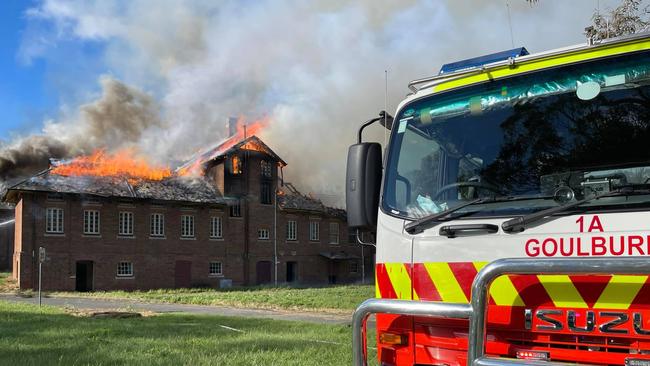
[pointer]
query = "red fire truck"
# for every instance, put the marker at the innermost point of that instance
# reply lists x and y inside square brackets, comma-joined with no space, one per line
[511,211]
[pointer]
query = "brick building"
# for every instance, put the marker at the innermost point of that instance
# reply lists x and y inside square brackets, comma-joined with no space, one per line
[218,229]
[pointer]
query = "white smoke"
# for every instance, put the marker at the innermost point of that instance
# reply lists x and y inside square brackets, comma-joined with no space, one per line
[316,68]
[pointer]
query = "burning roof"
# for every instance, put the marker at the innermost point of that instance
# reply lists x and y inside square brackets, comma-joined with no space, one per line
[195,165]
[182,189]
[119,174]
[289,198]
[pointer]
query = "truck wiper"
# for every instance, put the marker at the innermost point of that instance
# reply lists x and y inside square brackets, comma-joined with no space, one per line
[520,224]
[418,226]
[427,222]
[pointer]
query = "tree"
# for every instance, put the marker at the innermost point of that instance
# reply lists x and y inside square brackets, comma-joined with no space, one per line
[628,18]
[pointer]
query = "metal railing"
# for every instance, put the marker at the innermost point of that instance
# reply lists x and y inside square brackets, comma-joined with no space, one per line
[476,311]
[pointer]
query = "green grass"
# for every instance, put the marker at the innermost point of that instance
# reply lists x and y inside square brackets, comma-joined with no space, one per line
[33,336]
[329,299]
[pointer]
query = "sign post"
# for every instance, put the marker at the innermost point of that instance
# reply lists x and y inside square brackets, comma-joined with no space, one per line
[41,259]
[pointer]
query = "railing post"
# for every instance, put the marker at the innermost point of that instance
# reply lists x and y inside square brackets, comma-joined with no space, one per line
[399,307]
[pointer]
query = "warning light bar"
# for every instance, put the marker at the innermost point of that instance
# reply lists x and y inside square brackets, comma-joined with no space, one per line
[482,60]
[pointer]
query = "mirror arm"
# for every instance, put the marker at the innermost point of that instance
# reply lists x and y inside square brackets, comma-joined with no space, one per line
[360,240]
[382,116]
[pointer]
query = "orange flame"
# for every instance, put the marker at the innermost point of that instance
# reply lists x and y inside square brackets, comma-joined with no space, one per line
[123,163]
[244,130]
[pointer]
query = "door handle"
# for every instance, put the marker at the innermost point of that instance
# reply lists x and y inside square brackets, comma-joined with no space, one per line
[451,231]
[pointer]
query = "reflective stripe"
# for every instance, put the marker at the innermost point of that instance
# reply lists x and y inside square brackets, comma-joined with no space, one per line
[446,283]
[400,279]
[502,290]
[544,63]
[620,292]
[377,292]
[562,291]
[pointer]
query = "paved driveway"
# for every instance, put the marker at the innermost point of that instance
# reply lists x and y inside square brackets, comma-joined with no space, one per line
[82,303]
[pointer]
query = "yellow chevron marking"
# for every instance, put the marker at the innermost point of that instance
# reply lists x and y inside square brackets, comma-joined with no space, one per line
[377,292]
[544,63]
[562,291]
[502,290]
[400,279]
[620,292]
[446,283]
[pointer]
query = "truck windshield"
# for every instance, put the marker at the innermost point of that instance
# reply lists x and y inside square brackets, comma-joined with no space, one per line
[570,132]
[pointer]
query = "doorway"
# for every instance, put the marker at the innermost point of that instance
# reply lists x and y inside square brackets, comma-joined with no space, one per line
[84,276]
[183,274]
[263,270]
[291,271]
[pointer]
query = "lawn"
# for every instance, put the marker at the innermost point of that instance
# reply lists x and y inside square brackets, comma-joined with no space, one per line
[33,336]
[324,299]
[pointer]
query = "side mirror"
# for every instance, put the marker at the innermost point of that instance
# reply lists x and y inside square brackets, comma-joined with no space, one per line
[362,185]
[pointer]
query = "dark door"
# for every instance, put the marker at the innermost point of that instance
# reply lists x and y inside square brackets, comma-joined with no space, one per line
[84,276]
[183,274]
[291,271]
[263,272]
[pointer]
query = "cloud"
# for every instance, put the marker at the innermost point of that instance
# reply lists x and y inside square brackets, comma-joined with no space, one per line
[316,68]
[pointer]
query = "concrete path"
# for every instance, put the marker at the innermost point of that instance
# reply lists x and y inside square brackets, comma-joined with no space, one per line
[82,303]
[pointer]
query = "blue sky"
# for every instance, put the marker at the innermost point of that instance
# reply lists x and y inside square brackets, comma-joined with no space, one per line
[23,96]
[32,90]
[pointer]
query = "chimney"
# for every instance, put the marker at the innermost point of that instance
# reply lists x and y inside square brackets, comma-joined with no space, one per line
[232,126]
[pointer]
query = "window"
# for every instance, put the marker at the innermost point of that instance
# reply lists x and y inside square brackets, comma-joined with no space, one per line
[314,234]
[187,226]
[265,196]
[266,168]
[235,209]
[334,233]
[216,231]
[235,165]
[54,220]
[263,234]
[91,222]
[157,224]
[354,266]
[216,269]
[352,237]
[125,223]
[125,269]
[292,231]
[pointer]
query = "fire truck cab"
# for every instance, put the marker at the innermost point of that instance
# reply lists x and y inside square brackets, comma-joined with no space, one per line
[544,158]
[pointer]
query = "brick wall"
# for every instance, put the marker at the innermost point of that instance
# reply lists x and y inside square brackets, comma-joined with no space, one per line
[171,261]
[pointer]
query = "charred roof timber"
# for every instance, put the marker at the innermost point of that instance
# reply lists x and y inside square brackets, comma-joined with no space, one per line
[179,189]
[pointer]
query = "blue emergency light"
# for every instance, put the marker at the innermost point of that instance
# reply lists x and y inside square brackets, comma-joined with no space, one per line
[482,60]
